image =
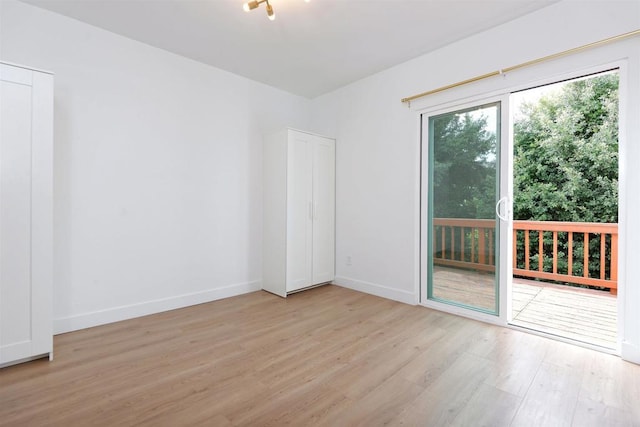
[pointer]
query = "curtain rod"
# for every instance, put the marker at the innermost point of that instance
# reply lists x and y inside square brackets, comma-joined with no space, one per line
[524,64]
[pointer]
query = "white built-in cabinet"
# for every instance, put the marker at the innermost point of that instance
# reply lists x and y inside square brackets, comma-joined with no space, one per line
[26,215]
[299,211]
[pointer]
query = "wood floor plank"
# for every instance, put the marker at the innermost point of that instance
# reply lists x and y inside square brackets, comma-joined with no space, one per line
[608,390]
[488,407]
[593,413]
[379,406]
[445,397]
[552,398]
[430,365]
[517,358]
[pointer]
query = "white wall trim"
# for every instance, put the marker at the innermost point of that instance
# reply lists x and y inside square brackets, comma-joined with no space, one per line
[376,289]
[116,314]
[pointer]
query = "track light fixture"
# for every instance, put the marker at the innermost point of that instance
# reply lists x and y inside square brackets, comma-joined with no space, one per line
[250,5]
[253,4]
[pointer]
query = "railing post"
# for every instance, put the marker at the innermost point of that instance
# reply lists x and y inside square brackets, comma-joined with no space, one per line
[490,232]
[570,255]
[473,245]
[603,255]
[453,243]
[481,251]
[585,250]
[555,252]
[526,249]
[540,250]
[614,262]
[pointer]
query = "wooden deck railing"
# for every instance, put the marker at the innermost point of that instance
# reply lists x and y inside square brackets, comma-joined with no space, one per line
[570,252]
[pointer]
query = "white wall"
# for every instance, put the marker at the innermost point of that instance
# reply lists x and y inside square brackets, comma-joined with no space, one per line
[157,169]
[378,142]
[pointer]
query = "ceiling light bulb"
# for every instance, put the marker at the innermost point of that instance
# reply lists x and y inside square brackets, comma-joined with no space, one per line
[307,1]
[270,13]
[250,5]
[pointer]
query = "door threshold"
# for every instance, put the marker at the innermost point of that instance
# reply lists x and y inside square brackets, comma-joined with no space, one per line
[564,339]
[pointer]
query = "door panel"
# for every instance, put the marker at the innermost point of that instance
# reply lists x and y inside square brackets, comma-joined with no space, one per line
[323,210]
[299,212]
[463,182]
[15,223]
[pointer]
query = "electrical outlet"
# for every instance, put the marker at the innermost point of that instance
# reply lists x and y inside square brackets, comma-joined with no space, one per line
[348,262]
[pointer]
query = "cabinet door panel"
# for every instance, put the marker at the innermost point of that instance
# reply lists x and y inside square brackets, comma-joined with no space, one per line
[324,210]
[299,225]
[15,222]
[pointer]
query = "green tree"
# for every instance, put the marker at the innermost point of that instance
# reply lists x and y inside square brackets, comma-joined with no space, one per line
[566,154]
[464,173]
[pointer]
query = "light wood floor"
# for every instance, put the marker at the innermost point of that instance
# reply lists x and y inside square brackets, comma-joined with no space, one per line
[328,356]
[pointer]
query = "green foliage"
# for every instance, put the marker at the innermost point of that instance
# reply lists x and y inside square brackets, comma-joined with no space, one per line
[566,154]
[464,172]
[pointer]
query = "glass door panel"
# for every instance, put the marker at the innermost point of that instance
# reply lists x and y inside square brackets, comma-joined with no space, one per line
[463,192]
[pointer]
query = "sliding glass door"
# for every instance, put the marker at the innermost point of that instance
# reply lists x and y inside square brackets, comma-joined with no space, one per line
[461,216]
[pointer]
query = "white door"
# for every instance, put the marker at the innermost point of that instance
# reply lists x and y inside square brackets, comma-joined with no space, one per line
[25,214]
[299,211]
[323,210]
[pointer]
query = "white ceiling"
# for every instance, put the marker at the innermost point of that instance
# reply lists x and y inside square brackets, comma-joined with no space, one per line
[311,48]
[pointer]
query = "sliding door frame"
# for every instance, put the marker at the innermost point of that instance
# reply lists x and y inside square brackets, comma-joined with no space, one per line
[503,262]
[575,66]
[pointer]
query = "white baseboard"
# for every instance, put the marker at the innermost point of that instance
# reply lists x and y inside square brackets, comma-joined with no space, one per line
[376,289]
[116,314]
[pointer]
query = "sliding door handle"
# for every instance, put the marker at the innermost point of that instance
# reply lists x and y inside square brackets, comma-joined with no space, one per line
[504,217]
